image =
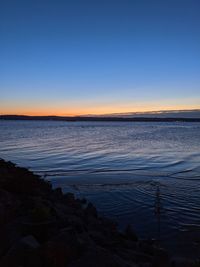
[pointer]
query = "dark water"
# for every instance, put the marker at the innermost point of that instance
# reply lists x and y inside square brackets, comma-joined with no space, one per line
[121,167]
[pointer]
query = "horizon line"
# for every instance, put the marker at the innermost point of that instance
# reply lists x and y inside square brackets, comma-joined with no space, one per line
[160,111]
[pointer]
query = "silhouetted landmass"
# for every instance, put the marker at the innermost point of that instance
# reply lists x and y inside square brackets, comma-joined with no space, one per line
[88,118]
[42,227]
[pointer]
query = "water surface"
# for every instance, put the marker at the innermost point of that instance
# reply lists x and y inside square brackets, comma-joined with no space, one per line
[120,166]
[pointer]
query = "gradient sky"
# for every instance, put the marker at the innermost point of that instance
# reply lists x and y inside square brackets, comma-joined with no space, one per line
[99,56]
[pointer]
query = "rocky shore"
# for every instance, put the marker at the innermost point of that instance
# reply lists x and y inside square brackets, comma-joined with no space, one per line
[42,227]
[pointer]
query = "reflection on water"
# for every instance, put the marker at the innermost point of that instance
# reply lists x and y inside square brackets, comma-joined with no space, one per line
[120,166]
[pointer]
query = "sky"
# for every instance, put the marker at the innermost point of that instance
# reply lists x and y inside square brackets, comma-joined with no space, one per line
[77,57]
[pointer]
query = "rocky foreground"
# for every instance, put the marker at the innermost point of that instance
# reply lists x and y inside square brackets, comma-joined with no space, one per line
[42,227]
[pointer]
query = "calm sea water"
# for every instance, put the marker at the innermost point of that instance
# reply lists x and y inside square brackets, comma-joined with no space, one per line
[120,167]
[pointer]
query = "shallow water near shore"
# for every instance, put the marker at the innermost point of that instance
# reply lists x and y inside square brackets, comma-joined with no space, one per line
[120,167]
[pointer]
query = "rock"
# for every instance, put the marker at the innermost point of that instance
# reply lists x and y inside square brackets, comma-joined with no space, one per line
[83,200]
[30,242]
[77,223]
[134,256]
[99,257]
[129,244]
[85,240]
[109,224]
[62,249]
[40,213]
[91,210]
[161,257]
[130,234]
[70,200]
[93,223]
[146,248]
[9,235]
[9,206]
[100,239]
[41,230]
[57,193]
[61,210]
[69,197]
[24,253]
[145,264]
[182,262]
[21,181]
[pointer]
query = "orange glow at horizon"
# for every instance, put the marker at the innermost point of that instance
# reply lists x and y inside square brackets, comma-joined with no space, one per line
[91,110]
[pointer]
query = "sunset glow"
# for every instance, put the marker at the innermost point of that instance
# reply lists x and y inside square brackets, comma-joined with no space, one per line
[80,58]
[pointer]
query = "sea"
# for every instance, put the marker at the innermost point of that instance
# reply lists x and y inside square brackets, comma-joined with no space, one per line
[146,174]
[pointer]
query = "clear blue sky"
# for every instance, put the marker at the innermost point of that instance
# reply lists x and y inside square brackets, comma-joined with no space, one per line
[99,56]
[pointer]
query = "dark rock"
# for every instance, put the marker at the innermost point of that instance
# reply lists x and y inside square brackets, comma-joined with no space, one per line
[134,256]
[130,234]
[24,253]
[101,239]
[41,230]
[69,197]
[62,249]
[77,223]
[9,207]
[85,240]
[182,262]
[91,210]
[129,244]
[9,235]
[83,200]
[161,257]
[109,224]
[21,181]
[70,200]
[146,248]
[57,193]
[99,257]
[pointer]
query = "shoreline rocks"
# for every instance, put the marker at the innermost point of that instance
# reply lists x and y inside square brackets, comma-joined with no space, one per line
[42,227]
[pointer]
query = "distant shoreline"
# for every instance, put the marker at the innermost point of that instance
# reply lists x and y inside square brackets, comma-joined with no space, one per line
[90,118]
